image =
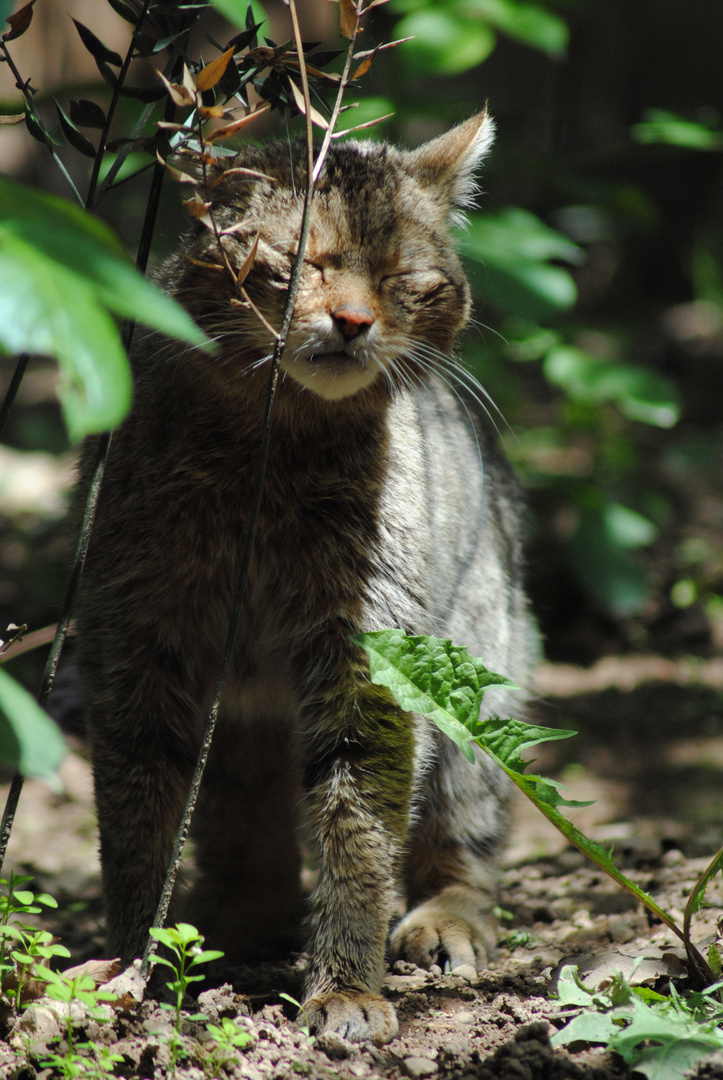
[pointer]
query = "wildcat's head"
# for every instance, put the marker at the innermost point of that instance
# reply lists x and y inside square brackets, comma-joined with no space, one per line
[382,293]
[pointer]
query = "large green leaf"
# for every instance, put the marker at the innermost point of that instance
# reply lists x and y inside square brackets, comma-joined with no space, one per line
[29,740]
[640,393]
[510,257]
[531,23]
[661,126]
[49,309]
[431,676]
[443,42]
[63,275]
[443,681]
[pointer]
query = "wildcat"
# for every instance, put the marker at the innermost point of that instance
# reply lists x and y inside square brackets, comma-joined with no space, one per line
[384,506]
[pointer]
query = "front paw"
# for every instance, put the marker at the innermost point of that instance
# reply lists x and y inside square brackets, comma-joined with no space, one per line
[454,929]
[353,1014]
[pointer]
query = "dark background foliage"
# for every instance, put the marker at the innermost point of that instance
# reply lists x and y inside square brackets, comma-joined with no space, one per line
[596,256]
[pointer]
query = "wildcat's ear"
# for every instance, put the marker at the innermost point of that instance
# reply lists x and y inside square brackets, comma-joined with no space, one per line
[450,161]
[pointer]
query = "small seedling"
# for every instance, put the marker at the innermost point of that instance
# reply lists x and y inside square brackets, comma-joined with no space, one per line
[305,1028]
[80,1059]
[229,1038]
[186,943]
[24,951]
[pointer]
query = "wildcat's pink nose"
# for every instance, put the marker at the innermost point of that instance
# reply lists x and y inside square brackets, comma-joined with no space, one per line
[352,320]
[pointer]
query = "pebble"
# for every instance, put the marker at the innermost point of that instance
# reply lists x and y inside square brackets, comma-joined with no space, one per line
[466,971]
[419,1067]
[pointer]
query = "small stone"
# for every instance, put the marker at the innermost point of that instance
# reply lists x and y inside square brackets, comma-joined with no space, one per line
[419,1067]
[621,931]
[334,1045]
[466,971]
[673,857]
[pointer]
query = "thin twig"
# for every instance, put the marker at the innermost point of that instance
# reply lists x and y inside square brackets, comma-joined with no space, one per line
[25,88]
[13,389]
[90,201]
[103,448]
[255,504]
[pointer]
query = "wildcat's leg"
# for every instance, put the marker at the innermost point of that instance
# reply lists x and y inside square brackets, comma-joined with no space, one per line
[247,901]
[359,778]
[452,864]
[143,750]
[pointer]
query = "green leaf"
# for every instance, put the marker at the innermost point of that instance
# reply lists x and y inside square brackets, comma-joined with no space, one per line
[681,1040]
[235,11]
[29,740]
[46,308]
[530,23]
[510,255]
[604,566]
[587,1027]
[639,393]
[81,243]
[431,676]
[63,274]
[441,680]
[444,43]
[661,126]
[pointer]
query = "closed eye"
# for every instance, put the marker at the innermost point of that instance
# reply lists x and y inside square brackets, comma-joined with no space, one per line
[426,283]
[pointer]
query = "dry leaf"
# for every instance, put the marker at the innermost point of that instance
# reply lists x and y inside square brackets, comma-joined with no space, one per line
[213,72]
[316,117]
[197,207]
[19,22]
[179,95]
[211,112]
[16,118]
[365,64]
[231,129]
[360,127]
[100,971]
[205,265]
[348,18]
[176,174]
[248,261]
[332,76]
[188,82]
[243,172]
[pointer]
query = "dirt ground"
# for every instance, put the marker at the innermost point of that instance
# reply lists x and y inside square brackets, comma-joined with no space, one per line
[649,752]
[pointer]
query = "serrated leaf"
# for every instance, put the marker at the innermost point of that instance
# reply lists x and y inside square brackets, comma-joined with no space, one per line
[95,46]
[29,740]
[431,676]
[587,1027]
[441,680]
[679,1040]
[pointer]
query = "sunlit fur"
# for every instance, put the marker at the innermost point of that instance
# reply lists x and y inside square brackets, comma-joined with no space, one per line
[385,504]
